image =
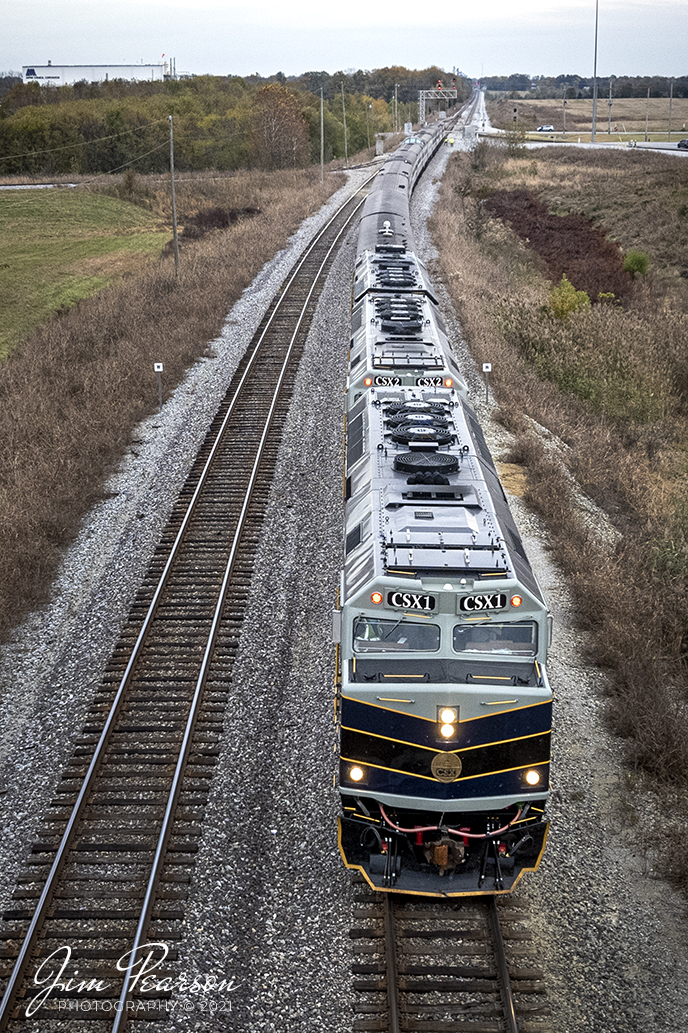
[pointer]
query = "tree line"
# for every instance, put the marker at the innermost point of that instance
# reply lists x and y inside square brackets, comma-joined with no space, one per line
[220,122]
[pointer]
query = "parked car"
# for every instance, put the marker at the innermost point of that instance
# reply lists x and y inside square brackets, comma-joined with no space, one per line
[545,129]
[683,144]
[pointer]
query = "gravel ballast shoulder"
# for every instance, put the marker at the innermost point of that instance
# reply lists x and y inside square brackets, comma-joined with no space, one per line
[51,669]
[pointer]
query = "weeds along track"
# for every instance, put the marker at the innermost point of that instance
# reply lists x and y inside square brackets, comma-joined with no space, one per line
[436,965]
[116,853]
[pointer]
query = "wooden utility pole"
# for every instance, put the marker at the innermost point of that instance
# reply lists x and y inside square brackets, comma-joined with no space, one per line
[322,137]
[346,146]
[174,203]
[671,97]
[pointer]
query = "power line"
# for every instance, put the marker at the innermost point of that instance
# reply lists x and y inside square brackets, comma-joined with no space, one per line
[109,172]
[85,143]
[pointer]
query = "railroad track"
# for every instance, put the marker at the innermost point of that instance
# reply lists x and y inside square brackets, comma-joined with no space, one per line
[435,965]
[112,867]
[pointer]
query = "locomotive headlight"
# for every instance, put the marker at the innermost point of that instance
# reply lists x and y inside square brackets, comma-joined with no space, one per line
[448,382]
[368,381]
[532,777]
[516,600]
[356,773]
[447,717]
[376,598]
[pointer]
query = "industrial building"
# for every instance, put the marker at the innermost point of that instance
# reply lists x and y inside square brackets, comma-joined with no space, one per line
[67,75]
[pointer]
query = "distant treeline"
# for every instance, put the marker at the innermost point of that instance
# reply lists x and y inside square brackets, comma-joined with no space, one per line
[577,86]
[219,122]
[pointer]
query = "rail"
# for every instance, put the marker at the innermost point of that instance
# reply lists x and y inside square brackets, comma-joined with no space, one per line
[285,322]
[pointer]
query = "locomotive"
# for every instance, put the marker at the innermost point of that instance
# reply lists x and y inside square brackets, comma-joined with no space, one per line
[398,337]
[443,703]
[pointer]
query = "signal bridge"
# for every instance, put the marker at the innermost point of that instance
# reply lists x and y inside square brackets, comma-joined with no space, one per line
[438,94]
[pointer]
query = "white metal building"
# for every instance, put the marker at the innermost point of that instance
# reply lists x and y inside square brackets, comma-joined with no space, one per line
[67,75]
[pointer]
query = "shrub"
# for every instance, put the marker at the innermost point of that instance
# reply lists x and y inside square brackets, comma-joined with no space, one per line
[636,262]
[515,141]
[565,299]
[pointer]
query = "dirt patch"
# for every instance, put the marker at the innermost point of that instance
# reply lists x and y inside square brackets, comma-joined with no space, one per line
[513,477]
[569,245]
[215,219]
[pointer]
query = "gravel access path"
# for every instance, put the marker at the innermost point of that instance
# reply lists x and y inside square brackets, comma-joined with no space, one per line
[270,904]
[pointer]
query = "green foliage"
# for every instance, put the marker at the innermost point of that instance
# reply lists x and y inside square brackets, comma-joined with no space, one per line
[565,299]
[612,359]
[65,245]
[636,262]
[93,128]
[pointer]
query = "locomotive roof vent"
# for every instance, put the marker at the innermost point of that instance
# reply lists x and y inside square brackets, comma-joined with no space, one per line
[426,462]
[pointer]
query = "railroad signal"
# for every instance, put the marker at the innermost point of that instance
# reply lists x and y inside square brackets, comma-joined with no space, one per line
[439,84]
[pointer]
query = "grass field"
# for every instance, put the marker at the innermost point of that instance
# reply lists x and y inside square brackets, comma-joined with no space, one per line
[60,246]
[72,392]
[628,116]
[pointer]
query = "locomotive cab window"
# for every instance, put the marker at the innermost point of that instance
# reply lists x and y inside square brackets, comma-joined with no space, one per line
[381,636]
[515,638]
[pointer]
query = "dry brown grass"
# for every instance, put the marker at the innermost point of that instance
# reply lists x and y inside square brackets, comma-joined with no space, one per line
[628,115]
[639,199]
[72,393]
[626,434]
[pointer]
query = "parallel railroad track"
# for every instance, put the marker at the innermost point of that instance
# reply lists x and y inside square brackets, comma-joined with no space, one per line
[434,966]
[112,867]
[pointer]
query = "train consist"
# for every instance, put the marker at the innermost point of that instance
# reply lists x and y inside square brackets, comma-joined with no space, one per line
[443,702]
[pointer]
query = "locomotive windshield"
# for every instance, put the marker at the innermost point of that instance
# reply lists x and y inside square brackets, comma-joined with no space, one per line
[516,638]
[381,636]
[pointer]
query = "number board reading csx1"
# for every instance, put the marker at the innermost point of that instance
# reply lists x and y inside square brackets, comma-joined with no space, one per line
[477,603]
[411,601]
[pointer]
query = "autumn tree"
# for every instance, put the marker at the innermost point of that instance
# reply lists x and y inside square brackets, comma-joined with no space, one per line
[279,132]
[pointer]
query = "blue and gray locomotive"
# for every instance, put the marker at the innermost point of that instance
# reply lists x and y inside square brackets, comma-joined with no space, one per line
[443,702]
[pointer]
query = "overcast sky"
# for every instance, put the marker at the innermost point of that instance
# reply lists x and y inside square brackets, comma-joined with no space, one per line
[497,37]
